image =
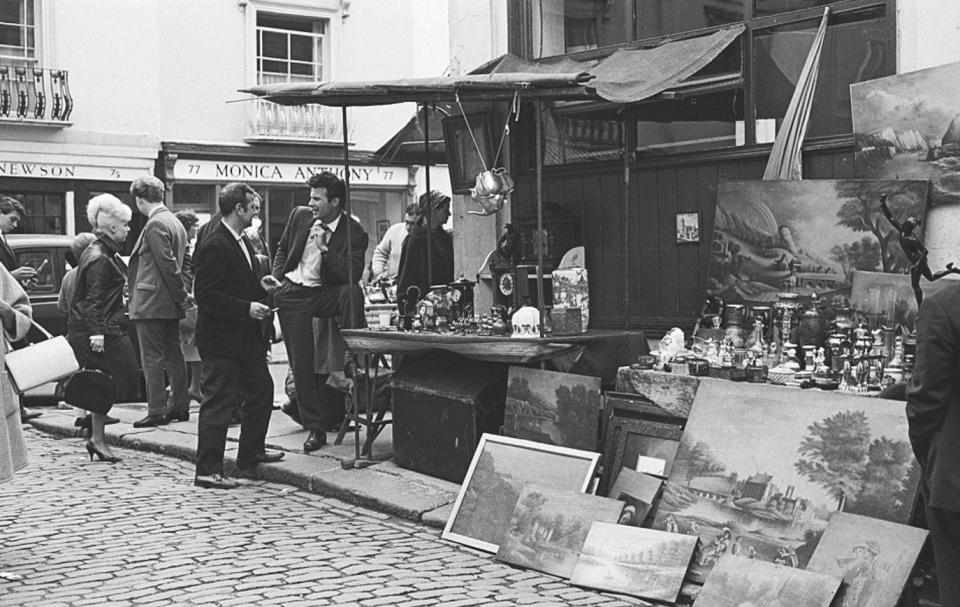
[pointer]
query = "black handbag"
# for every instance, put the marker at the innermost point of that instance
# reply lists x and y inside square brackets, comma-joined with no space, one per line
[91,390]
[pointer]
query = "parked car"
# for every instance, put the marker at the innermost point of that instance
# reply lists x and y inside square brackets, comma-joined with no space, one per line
[49,253]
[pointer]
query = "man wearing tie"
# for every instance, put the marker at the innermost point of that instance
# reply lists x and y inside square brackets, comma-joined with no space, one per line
[232,347]
[310,278]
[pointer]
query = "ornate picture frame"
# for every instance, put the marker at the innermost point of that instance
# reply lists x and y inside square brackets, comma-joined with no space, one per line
[466,159]
[688,228]
[634,427]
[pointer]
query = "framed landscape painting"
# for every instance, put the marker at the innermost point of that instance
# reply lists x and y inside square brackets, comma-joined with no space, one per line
[806,236]
[758,473]
[873,557]
[553,408]
[738,581]
[631,560]
[547,528]
[500,468]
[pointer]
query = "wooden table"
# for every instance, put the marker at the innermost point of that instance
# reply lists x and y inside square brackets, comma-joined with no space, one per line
[562,352]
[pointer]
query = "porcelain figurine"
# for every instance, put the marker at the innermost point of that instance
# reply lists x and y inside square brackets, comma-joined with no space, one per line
[525,322]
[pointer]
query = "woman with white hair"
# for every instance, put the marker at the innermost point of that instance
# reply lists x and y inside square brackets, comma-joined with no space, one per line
[95,323]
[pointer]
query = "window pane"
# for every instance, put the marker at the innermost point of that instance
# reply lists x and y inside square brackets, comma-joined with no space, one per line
[284,22]
[856,48]
[10,35]
[698,123]
[301,69]
[581,137]
[661,17]
[772,7]
[590,24]
[51,205]
[273,44]
[275,67]
[301,48]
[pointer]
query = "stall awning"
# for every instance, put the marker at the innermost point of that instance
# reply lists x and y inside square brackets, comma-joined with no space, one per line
[626,76]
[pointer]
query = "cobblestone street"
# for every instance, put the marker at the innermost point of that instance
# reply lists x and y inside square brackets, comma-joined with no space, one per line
[139,533]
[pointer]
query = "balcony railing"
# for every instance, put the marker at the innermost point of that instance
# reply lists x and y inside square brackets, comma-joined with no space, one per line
[268,121]
[34,95]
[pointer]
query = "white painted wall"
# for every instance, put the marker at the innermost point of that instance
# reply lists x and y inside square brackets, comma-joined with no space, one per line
[928,33]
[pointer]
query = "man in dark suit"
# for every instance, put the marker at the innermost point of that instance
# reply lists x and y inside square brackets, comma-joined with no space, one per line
[158,300]
[231,344]
[933,412]
[11,212]
[311,277]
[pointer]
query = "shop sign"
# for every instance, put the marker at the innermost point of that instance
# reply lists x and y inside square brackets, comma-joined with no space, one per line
[51,170]
[278,172]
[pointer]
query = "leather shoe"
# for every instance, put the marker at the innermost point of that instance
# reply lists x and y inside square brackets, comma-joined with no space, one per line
[150,421]
[28,414]
[215,481]
[177,416]
[292,410]
[316,439]
[265,457]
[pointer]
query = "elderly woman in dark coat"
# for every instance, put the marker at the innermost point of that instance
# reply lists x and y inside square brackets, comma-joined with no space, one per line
[413,258]
[94,326]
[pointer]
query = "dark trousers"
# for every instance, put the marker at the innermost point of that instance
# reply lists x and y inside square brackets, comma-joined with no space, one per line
[227,382]
[161,357]
[297,305]
[944,528]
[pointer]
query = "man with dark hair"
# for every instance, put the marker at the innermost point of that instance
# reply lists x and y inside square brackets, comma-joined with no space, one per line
[311,278]
[11,212]
[231,344]
[933,414]
[158,300]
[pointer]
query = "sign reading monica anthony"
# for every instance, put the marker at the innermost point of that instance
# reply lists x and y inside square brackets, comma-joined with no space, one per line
[279,172]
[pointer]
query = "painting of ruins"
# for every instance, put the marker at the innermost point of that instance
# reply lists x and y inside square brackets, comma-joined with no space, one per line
[630,560]
[500,468]
[806,236]
[907,126]
[758,474]
[737,581]
[873,557]
[553,408]
[639,491]
[547,528]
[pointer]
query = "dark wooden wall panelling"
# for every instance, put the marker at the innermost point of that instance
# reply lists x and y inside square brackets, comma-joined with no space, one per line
[666,280]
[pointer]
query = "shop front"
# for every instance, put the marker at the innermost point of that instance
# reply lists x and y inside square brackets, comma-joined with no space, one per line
[378,194]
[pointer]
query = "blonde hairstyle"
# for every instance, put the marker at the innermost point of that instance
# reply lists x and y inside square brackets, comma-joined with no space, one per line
[104,208]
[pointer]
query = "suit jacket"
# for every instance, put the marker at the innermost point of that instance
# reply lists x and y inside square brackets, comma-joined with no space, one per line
[157,288]
[933,398]
[7,258]
[333,270]
[224,286]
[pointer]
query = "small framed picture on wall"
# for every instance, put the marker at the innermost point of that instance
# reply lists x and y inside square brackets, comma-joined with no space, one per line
[688,228]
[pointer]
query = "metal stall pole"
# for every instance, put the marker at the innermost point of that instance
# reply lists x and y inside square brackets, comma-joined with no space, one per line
[626,222]
[426,149]
[537,240]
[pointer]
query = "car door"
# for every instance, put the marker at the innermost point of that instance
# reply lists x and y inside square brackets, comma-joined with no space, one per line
[50,263]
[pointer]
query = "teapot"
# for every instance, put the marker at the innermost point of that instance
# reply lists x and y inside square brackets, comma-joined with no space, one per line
[490,191]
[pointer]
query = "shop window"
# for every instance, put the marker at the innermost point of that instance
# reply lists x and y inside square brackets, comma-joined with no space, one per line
[196,198]
[663,17]
[580,137]
[45,213]
[857,47]
[289,48]
[18,31]
[697,123]
[766,8]
[589,24]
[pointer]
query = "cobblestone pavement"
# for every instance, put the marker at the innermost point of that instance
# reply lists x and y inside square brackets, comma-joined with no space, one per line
[139,533]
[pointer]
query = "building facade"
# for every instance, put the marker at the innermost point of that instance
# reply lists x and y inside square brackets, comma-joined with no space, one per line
[94,94]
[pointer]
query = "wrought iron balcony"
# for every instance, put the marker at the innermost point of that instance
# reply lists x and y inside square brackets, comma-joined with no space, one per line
[32,95]
[268,121]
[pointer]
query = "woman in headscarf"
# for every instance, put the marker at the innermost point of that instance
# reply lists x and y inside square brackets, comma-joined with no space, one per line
[413,258]
[94,327]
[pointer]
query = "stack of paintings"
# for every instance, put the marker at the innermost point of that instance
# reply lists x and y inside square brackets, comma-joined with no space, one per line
[638,491]
[547,528]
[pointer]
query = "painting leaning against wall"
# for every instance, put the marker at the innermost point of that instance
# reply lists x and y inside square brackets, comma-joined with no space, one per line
[759,476]
[806,236]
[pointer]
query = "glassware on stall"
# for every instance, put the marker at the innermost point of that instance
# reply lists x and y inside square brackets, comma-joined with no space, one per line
[786,316]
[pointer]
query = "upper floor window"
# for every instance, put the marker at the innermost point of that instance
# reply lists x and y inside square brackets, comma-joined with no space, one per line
[290,48]
[18,30]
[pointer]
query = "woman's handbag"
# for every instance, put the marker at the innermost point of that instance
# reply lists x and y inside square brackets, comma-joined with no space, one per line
[42,362]
[91,390]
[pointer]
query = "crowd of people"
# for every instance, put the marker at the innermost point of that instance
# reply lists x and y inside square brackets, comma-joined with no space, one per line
[201,314]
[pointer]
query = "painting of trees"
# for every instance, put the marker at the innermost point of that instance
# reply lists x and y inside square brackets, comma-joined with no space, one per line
[860,211]
[863,254]
[696,460]
[865,475]
[579,411]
